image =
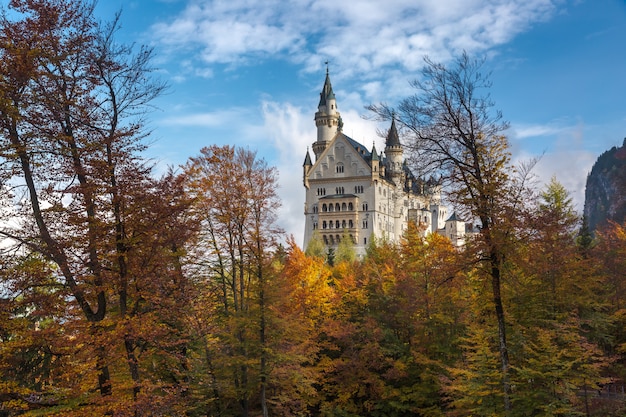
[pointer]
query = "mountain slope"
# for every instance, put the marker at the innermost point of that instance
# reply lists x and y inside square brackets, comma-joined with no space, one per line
[605,192]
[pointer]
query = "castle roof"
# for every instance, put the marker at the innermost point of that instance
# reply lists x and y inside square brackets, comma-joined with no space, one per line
[454,218]
[327,91]
[333,196]
[307,159]
[392,137]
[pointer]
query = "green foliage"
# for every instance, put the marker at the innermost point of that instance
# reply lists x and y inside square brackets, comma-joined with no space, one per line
[316,247]
[345,250]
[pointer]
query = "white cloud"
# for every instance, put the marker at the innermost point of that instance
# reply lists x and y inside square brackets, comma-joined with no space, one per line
[523,131]
[360,36]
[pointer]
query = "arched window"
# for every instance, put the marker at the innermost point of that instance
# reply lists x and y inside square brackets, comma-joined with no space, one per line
[339,168]
[337,207]
[331,207]
[350,224]
[344,207]
[324,208]
[343,224]
[332,240]
[350,206]
[324,224]
[330,224]
[338,238]
[364,206]
[337,224]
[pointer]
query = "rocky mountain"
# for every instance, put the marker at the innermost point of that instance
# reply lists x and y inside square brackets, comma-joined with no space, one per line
[605,192]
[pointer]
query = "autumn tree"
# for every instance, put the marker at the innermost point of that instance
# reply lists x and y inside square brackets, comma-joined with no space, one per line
[303,297]
[236,206]
[610,253]
[450,128]
[393,329]
[557,310]
[72,103]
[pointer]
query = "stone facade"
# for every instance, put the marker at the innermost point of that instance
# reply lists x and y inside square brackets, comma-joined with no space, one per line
[356,193]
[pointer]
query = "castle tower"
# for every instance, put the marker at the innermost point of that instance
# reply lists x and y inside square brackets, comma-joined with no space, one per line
[327,118]
[394,152]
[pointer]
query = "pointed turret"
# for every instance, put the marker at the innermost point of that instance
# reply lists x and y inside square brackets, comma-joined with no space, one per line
[327,119]
[375,163]
[306,168]
[327,92]
[394,151]
[393,139]
[307,159]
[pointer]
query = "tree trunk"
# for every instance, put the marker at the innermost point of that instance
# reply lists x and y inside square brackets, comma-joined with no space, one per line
[495,259]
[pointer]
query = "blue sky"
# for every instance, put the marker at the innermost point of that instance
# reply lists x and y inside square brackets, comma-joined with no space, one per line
[248,73]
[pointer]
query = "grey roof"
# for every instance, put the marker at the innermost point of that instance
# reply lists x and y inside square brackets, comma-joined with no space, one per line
[333,196]
[392,136]
[454,218]
[307,159]
[327,91]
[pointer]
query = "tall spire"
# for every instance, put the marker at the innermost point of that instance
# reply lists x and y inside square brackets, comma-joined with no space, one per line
[394,151]
[327,118]
[327,91]
[392,136]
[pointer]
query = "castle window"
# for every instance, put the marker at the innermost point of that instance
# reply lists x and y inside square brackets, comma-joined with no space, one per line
[314,225]
[321,191]
[337,224]
[339,168]
[343,224]
[324,224]
[364,206]
[350,224]
[332,240]
[365,241]
[365,224]
[331,207]
[358,189]
[338,238]
[344,207]
[325,240]
[337,207]
[350,206]
[330,224]
[324,208]
[339,190]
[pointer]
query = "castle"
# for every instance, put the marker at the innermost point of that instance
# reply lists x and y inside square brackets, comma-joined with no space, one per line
[360,194]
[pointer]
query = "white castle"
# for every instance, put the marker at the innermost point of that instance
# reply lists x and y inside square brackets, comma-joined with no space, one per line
[361,194]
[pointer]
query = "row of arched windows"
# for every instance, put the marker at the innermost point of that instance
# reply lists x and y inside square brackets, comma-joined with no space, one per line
[337,224]
[337,207]
[335,239]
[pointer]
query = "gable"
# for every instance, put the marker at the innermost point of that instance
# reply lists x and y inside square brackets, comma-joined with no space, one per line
[344,157]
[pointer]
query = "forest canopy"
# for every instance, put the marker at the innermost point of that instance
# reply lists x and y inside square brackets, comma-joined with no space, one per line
[124,293]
